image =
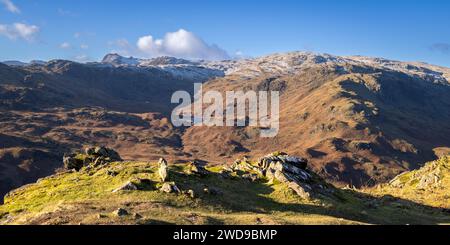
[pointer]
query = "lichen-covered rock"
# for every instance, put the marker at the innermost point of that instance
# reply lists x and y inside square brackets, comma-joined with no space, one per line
[95,156]
[243,165]
[284,159]
[196,168]
[250,177]
[286,167]
[429,180]
[290,170]
[163,169]
[72,162]
[103,152]
[303,190]
[428,177]
[170,188]
[273,174]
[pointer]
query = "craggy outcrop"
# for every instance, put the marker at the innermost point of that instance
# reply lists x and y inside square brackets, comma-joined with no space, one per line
[94,156]
[286,169]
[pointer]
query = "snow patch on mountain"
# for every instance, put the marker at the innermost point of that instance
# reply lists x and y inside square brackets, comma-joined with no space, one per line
[275,65]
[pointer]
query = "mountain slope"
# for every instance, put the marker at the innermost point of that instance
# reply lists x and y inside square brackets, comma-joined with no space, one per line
[91,197]
[361,122]
[46,110]
[71,85]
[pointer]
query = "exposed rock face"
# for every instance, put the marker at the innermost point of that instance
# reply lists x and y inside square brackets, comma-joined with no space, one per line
[70,162]
[94,156]
[431,179]
[302,190]
[101,151]
[359,120]
[286,169]
[426,178]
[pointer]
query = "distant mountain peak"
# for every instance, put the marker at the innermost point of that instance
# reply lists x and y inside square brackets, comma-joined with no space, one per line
[14,63]
[22,64]
[276,64]
[117,60]
[168,60]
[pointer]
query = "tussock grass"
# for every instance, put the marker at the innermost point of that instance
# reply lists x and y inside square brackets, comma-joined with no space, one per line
[86,197]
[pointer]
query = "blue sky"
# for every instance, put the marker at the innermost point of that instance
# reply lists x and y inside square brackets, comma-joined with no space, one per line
[87,30]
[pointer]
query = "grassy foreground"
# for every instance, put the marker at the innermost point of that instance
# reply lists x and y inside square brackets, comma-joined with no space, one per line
[86,197]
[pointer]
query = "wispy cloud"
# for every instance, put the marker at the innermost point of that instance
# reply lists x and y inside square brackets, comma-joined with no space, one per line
[66,13]
[123,47]
[19,31]
[65,45]
[441,47]
[10,6]
[79,35]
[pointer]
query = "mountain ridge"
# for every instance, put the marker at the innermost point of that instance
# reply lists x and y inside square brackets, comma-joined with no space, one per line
[360,120]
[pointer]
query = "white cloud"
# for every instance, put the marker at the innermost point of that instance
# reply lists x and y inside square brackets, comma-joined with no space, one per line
[19,30]
[65,45]
[84,46]
[182,44]
[10,6]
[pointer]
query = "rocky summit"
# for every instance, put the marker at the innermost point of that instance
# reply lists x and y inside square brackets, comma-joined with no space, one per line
[275,189]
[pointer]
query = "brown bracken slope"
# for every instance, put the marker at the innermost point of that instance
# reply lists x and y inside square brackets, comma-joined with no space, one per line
[359,122]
